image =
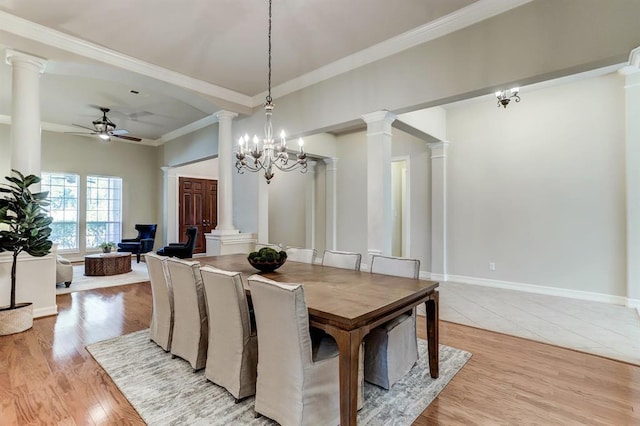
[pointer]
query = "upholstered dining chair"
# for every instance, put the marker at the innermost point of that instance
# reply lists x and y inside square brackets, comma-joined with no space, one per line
[298,379]
[161,327]
[391,349]
[190,323]
[301,254]
[342,259]
[232,356]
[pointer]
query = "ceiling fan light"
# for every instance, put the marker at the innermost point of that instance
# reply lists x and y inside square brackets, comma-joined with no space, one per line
[104,136]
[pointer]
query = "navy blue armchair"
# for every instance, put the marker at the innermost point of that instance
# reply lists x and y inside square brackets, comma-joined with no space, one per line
[143,243]
[181,250]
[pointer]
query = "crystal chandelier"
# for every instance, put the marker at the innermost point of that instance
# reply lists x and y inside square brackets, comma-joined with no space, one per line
[264,157]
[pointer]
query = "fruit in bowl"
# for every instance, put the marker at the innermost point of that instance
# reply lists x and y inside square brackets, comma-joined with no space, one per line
[267,259]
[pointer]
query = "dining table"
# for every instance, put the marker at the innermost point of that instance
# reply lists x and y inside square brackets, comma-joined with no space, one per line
[347,305]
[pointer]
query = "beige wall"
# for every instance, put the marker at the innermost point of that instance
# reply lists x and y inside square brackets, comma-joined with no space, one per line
[538,188]
[135,164]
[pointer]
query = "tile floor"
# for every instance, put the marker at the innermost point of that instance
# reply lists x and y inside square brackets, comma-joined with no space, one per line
[603,329]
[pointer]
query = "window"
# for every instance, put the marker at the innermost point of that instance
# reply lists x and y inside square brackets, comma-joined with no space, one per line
[104,210]
[63,197]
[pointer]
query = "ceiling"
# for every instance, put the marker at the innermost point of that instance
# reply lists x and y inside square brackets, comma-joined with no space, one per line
[191,58]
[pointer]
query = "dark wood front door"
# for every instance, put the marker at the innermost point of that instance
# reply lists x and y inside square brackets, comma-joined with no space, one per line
[199,208]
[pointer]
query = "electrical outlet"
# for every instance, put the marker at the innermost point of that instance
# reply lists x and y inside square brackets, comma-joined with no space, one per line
[492,266]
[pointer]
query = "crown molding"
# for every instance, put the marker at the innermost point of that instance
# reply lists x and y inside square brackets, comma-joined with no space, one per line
[49,37]
[467,16]
[189,128]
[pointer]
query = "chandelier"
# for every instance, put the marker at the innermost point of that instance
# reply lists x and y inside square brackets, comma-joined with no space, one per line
[271,153]
[504,97]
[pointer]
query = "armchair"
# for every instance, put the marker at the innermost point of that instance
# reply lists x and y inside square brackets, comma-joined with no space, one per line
[181,250]
[143,243]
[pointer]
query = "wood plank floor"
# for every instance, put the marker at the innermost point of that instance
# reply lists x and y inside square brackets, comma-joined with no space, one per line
[47,376]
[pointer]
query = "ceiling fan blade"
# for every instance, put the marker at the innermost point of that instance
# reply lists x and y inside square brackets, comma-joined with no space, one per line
[118,132]
[129,138]
[81,133]
[84,127]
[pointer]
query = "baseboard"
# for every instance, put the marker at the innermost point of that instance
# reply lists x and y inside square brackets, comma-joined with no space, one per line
[634,303]
[538,289]
[46,311]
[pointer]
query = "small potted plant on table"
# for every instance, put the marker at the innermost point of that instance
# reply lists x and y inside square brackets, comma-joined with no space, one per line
[107,247]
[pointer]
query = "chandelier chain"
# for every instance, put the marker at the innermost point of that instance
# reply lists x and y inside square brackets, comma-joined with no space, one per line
[270,154]
[269,99]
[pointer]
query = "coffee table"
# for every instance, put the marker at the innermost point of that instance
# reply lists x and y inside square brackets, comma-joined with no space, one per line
[107,264]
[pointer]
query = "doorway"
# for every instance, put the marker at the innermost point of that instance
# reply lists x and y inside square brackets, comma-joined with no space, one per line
[198,206]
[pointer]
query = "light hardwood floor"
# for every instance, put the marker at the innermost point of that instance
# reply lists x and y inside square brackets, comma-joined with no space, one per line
[47,376]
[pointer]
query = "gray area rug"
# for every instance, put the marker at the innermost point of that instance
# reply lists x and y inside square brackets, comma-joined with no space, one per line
[166,391]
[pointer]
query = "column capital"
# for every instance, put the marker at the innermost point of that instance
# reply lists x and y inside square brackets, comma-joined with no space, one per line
[379,116]
[438,149]
[223,114]
[14,58]
[331,162]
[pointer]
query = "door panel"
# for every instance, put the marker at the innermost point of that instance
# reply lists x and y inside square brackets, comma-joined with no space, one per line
[198,207]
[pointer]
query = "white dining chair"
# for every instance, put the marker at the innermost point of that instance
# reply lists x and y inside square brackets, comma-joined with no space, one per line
[298,379]
[190,324]
[161,327]
[304,255]
[342,259]
[262,245]
[391,349]
[232,355]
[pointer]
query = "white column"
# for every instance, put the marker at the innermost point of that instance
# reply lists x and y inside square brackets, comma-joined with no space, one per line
[379,208]
[170,211]
[263,209]
[439,210]
[632,174]
[225,184]
[331,204]
[310,205]
[25,112]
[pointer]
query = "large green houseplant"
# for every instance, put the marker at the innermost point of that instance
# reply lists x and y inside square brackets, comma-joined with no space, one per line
[24,227]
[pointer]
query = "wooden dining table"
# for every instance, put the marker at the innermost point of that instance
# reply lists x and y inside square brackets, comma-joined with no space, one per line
[348,304]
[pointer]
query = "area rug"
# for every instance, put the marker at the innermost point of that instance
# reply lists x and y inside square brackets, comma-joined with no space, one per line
[166,391]
[82,282]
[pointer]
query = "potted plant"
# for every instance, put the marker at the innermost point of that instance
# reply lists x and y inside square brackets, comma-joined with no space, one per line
[24,227]
[267,259]
[107,247]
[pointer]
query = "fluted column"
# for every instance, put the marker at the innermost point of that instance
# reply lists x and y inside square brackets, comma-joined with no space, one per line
[170,204]
[331,203]
[225,184]
[631,75]
[379,214]
[439,209]
[25,112]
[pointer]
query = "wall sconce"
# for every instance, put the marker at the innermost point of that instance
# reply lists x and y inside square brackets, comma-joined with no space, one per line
[504,96]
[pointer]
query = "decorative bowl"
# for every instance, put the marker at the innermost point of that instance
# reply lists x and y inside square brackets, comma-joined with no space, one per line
[266,266]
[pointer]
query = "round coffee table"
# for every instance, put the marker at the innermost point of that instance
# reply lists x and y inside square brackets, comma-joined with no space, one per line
[107,264]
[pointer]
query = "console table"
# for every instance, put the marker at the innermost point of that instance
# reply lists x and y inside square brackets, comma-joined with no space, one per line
[107,264]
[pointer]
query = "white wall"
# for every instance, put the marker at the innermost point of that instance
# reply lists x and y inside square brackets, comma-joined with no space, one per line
[538,188]
[287,209]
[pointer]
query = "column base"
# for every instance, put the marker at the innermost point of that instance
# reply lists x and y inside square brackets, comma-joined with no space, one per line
[221,232]
[229,244]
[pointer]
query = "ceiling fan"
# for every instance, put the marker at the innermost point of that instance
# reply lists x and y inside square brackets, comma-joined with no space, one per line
[105,129]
